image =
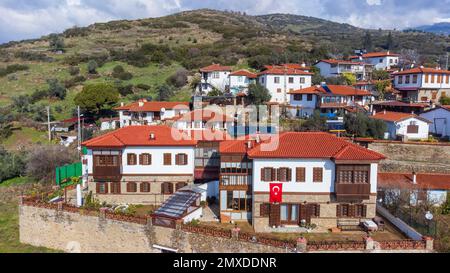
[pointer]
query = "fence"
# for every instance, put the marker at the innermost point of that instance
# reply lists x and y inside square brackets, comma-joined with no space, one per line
[64,173]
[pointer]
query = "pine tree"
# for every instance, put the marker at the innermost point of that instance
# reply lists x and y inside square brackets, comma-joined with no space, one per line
[368,44]
[389,42]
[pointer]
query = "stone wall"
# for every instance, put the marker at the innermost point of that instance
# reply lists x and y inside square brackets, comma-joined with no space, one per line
[423,157]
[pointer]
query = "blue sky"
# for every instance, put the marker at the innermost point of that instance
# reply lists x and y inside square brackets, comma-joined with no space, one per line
[24,19]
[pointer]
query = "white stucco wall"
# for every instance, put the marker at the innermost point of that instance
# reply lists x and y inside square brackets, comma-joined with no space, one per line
[268,81]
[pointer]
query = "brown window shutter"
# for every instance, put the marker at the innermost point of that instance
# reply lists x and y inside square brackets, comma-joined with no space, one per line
[163,187]
[97,187]
[128,187]
[177,159]
[274,175]
[289,174]
[185,156]
[352,210]
[263,174]
[338,211]
[317,210]
[274,217]
[141,159]
[170,188]
[106,188]
[264,210]
[300,175]
[364,211]
[318,175]
[167,159]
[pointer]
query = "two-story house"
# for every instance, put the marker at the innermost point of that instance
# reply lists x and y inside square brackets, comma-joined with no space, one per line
[329,99]
[380,60]
[280,80]
[215,76]
[145,112]
[320,179]
[138,164]
[240,80]
[201,119]
[422,84]
[335,68]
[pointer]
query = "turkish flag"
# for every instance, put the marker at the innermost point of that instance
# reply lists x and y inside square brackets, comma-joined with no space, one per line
[276,192]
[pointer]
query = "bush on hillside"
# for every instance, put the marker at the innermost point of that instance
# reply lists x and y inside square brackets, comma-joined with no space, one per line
[179,79]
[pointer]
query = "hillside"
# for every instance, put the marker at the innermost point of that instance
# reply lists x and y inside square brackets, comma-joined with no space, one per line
[438,28]
[154,49]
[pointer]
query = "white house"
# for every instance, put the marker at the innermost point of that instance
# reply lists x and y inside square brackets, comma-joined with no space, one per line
[282,80]
[322,180]
[403,125]
[109,123]
[240,80]
[440,118]
[138,164]
[422,84]
[380,60]
[335,68]
[145,112]
[202,119]
[213,77]
[329,99]
[432,188]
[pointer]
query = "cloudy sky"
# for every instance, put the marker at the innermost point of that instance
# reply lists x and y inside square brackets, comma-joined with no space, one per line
[24,19]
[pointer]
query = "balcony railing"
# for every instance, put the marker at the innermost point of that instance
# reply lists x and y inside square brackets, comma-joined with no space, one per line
[112,173]
[346,192]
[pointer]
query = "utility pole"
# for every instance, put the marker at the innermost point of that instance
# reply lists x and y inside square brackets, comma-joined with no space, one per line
[48,122]
[79,129]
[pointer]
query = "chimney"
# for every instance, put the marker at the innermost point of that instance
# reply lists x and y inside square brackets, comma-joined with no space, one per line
[421,66]
[384,112]
[249,144]
[122,104]
[303,64]
[141,104]
[414,178]
[152,136]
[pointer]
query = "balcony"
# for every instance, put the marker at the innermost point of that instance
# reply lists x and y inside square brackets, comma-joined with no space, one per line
[349,192]
[107,173]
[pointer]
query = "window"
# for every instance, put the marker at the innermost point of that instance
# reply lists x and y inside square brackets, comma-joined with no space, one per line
[298,97]
[267,174]
[181,159]
[427,78]
[180,185]
[425,99]
[102,188]
[145,187]
[166,188]
[309,97]
[318,175]
[353,174]
[343,210]
[347,210]
[215,75]
[400,80]
[238,201]
[291,79]
[284,174]
[289,213]
[240,79]
[145,159]
[407,79]
[302,80]
[314,210]
[167,159]
[131,187]
[276,79]
[439,78]
[415,78]
[448,79]
[381,61]
[360,211]
[300,174]
[279,90]
[105,160]
[391,61]
[412,128]
[115,188]
[131,159]
[262,80]
[432,78]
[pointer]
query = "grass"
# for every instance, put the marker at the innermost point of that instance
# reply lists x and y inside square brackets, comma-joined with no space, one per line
[24,136]
[14,181]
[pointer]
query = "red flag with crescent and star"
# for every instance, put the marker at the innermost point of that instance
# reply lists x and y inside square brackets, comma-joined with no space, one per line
[276,192]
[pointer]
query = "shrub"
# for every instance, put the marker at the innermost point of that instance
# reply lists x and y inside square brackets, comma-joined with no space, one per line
[56,89]
[125,90]
[11,165]
[179,79]
[92,67]
[143,86]
[120,73]
[12,69]
[74,70]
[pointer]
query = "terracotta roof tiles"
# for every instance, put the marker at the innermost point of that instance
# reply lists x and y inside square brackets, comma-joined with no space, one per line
[428,181]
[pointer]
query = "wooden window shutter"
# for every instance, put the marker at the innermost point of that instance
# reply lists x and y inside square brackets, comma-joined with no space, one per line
[128,187]
[106,188]
[131,159]
[177,159]
[141,159]
[364,211]
[274,174]
[352,210]
[185,158]
[264,210]
[97,187]
[167,159]
[317,210]
[170,188]
[163,187]
[263,174]
[274,217]
[300,175]
[318,175]
[339,211]
[289,174]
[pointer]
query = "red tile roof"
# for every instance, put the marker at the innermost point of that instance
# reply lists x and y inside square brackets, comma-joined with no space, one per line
[396,116]
[291,66]
[312,145]
[284,70]
[215,67]
[446,107]
[421,70]
[376,55]
[333,61]
[338,90]
[140,136]
[400,104]
[204,115]
[429,181]
[244,73]
[153,106]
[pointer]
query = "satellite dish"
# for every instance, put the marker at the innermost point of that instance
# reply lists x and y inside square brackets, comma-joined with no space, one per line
[429,216]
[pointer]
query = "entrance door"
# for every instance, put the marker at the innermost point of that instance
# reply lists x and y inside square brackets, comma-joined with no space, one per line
[305,215]
[289,214]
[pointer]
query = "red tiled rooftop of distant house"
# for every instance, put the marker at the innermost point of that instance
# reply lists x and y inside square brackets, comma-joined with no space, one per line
[376,55]
[140,136]
[446,107]
[289,66]
[244,73]
[333,61]
[312,145]
[204,115]
[400,104]
[421,70]
[153,106]
[215,68]
[284,71]
[426,181]
[396,116]
[338,90]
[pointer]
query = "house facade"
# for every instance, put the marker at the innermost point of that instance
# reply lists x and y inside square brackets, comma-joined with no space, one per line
[329,99]
[145,112]
[335,68]
[202,119]
[323,180]
[404,125]
[240,80]
[215,76]
[138,164]
[380,60]
[280,80]
[440,118]
[422,84]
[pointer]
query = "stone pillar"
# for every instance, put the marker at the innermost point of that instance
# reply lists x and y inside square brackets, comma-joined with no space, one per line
[235,233]
[149,221]
[302,245]
[103,213]
[60,205]
[429,243]
[370,243]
